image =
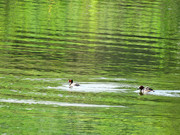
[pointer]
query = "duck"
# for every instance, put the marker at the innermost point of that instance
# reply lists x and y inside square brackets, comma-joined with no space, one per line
[71,84]
[145,90]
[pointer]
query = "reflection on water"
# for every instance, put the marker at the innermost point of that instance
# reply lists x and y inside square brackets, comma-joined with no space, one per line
[110,47]
[43,79]
[94,87]
[169,93]
[53,103]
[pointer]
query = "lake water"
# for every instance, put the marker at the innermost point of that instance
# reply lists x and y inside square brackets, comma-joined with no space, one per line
[108,47]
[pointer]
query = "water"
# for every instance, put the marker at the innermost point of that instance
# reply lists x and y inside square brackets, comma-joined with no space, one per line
[109,47]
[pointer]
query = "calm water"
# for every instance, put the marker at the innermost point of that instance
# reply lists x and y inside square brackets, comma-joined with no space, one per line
[109,47]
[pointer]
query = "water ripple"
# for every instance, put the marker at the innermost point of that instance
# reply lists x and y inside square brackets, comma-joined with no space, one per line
[167,93]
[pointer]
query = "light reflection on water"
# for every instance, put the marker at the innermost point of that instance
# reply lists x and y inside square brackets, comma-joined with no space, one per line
[53,103]
[95,87]
[168,93]
[43,79]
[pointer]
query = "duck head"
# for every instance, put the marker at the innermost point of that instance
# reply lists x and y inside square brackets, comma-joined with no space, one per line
[141,87]
[70,81]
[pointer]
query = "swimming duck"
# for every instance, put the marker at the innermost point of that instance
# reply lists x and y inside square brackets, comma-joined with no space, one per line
[144,91]
[71,84]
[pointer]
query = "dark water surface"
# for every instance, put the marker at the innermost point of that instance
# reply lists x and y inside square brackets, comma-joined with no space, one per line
[109,47]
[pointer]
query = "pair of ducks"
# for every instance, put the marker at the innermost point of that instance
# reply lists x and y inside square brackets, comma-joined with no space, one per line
[143,90]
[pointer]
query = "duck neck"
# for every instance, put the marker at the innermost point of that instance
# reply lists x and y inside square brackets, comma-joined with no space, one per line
[141,92]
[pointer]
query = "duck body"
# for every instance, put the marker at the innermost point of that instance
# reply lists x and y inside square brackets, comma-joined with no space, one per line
[145,90]
[71,84]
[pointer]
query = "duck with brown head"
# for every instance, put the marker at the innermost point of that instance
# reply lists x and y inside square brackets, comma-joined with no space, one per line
[144,91]
[71,84]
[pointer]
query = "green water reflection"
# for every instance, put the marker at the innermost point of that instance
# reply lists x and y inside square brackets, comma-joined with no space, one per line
[109,47]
